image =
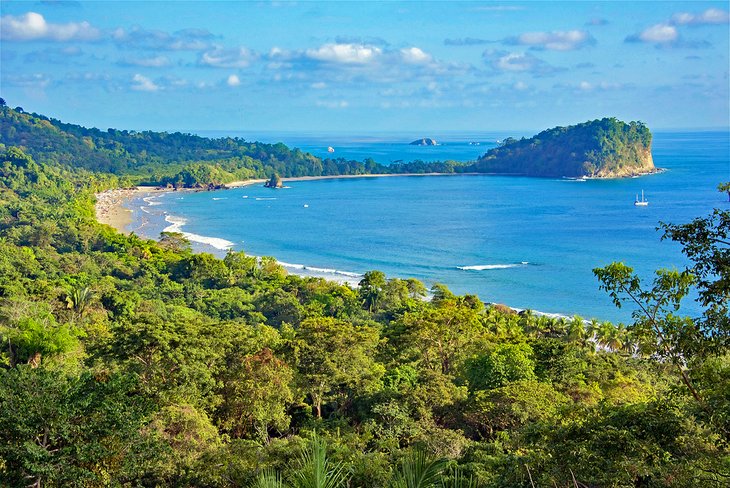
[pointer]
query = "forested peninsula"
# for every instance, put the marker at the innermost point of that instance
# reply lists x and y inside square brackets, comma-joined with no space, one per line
[605,148]
[130,362]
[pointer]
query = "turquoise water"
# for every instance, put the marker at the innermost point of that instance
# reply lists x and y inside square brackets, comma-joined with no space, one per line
[527,242]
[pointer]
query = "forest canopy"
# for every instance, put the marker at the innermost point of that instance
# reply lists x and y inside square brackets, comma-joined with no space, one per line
[133,362]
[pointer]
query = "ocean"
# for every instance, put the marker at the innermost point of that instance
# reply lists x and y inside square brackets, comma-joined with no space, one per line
[530,243]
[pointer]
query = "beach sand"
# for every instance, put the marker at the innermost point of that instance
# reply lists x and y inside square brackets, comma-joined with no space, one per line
[110,209]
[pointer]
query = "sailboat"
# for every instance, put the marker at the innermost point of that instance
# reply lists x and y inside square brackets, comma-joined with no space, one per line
[641,203]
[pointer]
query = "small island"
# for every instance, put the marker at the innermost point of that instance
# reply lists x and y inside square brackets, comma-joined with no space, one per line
[605,148]
[426,141]
[274,182]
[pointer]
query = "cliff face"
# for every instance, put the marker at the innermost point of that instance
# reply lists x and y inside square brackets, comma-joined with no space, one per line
[605,148]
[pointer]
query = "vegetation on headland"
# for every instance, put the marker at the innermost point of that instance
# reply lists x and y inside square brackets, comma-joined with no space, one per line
[176,159]
[130,362]
[602,148]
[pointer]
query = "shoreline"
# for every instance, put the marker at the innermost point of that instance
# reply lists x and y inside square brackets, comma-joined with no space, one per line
[110,209]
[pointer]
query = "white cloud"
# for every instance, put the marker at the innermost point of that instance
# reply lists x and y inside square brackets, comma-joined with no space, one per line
[659,33]
[520,86]
[142,83]
[345,53]
[233,80]
[709,16]
[36,81]
[319,85]
[518,62]
[154,62]
[415,55]
[554,41]
[32,26]
[228,58]
[586,86]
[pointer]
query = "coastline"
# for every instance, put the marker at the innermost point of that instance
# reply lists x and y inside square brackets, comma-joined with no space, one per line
[111,210]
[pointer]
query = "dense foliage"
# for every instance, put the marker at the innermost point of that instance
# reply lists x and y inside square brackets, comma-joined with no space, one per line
[182,160]
[605,147]
[129,362]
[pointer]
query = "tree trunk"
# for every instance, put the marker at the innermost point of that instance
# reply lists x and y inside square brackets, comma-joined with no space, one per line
[35,360]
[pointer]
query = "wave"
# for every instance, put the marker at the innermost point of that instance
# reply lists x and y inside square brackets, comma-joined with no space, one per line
[321,271]
[176,224]
[220,198]
[151,200]
[483,267]
[265,198]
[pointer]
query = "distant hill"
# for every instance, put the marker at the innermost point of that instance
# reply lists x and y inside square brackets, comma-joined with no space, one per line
[605,148]
[183,160]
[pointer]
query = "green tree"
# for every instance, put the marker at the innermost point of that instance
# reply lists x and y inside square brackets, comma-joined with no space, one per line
[58,430]
[725,187]
[334,359]
[256,394]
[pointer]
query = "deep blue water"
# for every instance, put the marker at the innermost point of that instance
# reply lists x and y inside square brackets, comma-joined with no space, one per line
[527,242]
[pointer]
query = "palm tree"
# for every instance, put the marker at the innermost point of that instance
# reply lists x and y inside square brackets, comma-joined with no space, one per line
[418,471]
[316,470]
[268,479]
[79,299]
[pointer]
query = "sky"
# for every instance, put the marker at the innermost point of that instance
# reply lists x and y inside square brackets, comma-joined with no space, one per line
[350,67]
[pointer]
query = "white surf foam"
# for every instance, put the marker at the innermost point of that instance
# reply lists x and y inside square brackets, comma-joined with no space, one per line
[152,200]
[220,198]
[320,271]
[176,224]
[265,198]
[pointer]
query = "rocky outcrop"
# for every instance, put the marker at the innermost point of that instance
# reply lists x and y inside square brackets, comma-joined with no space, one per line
[426,141]
[274,182]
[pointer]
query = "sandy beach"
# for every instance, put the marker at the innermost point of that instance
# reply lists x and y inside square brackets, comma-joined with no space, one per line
[110,208]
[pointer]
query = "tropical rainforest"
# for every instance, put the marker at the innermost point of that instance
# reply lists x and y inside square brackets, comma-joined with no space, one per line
[602,148]
[129,362]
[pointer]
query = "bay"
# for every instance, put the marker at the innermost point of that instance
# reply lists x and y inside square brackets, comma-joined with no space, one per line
[526,242]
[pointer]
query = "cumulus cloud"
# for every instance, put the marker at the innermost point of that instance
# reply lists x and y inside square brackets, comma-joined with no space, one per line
[553,41]
[182,40]
[233,80]
[33,26]
[415,55]
[153,62]
[586,86]
[35,80]
[709,16]
[656,34]
[345,53]
[502,61]
[142,83]
[356,64]
[666,34]
[227,58]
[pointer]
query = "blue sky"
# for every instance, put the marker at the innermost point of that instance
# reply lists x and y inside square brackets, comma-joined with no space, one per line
[366,66]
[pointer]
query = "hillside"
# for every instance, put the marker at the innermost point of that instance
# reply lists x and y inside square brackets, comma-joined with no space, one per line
[183,160]
[605,148]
